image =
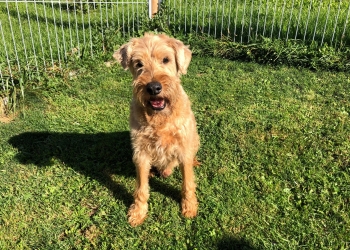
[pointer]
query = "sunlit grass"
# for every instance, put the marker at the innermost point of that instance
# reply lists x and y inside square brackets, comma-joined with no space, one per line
[274,168]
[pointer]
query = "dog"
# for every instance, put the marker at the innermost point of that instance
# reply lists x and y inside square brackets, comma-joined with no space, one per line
[162,125]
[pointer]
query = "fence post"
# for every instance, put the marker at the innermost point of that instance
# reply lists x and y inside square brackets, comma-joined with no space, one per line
[153,7]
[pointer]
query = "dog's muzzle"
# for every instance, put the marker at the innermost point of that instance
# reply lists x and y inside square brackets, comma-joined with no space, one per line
[154,88]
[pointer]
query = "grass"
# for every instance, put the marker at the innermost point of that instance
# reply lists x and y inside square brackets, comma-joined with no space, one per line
[274,151]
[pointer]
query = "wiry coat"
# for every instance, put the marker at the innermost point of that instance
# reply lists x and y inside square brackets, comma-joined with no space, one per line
[162,126]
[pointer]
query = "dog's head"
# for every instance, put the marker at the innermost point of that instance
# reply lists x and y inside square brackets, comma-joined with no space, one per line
[156,63]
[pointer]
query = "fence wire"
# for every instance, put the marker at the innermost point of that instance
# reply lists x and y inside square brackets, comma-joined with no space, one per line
[38,35]
[44,34]
[321,21]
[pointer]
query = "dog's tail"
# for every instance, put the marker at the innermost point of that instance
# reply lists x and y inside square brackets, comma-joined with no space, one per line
[196,163]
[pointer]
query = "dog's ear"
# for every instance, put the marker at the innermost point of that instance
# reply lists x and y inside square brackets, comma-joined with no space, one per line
[183,55]
[122,55]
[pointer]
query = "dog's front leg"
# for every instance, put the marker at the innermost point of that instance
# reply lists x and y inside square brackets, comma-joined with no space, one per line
[189,202]
[138,210]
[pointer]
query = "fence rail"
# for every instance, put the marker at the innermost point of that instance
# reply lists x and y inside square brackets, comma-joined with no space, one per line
[44,34]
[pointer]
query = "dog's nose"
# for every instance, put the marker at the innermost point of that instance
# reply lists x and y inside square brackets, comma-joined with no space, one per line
[154,88]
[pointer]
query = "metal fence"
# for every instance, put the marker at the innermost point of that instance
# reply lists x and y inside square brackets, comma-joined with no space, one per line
[38,35]
[44,34]
[323,21]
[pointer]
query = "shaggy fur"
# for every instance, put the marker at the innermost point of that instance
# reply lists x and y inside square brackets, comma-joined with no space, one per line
[162,125]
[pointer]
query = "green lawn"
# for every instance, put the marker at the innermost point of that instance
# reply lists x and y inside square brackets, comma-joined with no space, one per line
[275,154]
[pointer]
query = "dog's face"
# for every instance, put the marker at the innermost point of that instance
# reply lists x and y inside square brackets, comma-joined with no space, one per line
[156,63]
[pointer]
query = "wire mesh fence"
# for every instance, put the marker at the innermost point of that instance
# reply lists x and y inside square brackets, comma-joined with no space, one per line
[324,21]
[45,33]
[40,35]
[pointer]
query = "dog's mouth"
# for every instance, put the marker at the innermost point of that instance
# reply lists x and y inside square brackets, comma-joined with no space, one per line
[157,103]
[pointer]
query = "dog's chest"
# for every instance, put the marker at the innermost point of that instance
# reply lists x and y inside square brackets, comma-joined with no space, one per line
[169,138]
[163,145]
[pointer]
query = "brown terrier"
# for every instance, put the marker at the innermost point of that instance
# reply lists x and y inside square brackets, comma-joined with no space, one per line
[162,125]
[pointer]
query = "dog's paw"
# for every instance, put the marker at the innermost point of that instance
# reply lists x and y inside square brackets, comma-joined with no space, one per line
[137,214]
[189,208]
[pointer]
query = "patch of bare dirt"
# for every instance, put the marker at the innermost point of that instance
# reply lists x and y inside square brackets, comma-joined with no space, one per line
[4,117]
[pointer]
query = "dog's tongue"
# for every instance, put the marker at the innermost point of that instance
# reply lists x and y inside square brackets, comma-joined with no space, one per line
[157,104]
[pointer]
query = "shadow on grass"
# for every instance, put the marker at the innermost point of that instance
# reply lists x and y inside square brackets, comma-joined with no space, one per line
[99,156]
[233,243]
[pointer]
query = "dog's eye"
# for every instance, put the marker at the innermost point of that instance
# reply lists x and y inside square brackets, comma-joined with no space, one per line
[139,64]
[165,60]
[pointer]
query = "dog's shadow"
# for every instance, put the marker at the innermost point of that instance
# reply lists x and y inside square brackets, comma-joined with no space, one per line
[101,156]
